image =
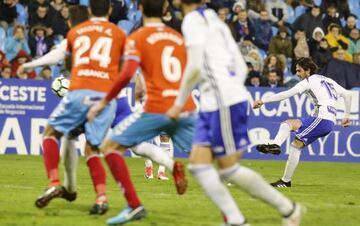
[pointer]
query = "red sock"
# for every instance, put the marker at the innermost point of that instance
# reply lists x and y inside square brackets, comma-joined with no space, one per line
[121,174]
[51,160]
[98,174]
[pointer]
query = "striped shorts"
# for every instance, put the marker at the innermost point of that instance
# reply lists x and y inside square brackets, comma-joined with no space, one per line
[312,128]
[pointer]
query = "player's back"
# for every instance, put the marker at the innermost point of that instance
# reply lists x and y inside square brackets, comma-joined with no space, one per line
[324,93]
[224,69]
[96,47]
[162,57]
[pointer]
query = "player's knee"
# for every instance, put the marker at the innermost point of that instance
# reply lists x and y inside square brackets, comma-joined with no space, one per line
[51,132]
[298,143]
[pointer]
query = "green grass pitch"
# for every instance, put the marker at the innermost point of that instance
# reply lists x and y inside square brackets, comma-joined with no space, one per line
[330,191]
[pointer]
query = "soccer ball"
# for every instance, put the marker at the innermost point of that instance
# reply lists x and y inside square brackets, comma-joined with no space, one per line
[60,86]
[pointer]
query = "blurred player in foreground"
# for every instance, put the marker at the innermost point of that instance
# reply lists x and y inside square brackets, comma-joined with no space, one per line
[215,62]
[95,46]
[160,52]
[324,93]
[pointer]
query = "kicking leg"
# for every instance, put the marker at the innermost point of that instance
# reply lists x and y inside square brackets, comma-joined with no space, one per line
[283,133]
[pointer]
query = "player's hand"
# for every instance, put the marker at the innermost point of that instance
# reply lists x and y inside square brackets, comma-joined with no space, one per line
[95,110]
[21,72]
[257,104]
[173,112]
[345,122]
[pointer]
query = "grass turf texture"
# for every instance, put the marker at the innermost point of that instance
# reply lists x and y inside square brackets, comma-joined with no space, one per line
[330,191]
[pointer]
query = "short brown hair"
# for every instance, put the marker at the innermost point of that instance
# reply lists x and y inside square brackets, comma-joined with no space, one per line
[307,63]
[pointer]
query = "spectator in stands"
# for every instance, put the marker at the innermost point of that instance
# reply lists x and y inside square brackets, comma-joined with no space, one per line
[6,72]
[57,5]
[246,45]
[350,24]
[301,48]
[119,11]
[60,23]
[262,31]
[341,54]
[39,42]
[237,7]
[271,63]
[273,79]
[254,8]
[335,38]
[281,45]
[254,58]
[342,6]
[223,13]
[45,74]
[42,17]
[253,79]
[15,43]
[331,17]
[354,40]
[323,55]
[21,58]
[175,7]
[34,4]
[277,10]
[309,21]
[3,60]
[356,58]
[314,42]
[242,26]
[8,13]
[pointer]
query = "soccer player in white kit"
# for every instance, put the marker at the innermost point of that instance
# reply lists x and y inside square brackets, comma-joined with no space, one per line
[323,92]
[215,63]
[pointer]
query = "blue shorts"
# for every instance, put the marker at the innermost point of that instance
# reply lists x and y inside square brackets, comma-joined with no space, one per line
[312,128]
[122,110]
[70,114]
[141,126]
[224,130]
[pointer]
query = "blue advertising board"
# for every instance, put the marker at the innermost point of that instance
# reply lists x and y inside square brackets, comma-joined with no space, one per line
[26,104]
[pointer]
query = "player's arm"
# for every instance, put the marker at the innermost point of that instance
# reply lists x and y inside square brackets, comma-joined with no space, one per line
[53,57]
[346,94]
[298,88]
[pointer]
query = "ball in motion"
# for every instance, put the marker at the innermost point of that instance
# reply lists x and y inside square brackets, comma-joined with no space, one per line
[60,86]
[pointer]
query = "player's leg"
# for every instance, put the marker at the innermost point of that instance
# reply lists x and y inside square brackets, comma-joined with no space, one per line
[70,157]
[118,167]
[165,144]
[51,158]
[201,167]
[283,133]
[311,129]
[98,178]
[291,164]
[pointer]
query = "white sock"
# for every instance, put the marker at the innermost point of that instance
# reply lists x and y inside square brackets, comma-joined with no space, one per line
[210,181]
[70,158]
[283,133]
[166,146]
[292,163]
[155,153]
[148,163]
[251,182]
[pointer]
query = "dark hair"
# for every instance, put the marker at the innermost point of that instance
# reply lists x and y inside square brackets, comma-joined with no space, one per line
[191,1]
[78,14]
[153,8]
[100,7]
[307,64]
[273,71]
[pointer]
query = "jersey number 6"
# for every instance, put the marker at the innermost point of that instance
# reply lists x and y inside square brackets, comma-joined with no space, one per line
[171,66]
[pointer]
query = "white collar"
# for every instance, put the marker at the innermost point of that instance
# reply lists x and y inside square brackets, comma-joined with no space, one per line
[99,19]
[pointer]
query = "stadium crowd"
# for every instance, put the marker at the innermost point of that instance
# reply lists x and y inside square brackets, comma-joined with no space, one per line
[271,35]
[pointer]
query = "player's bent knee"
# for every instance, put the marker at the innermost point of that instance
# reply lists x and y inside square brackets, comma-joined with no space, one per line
[111,146]
[51,132]
[298,143]
[201,155]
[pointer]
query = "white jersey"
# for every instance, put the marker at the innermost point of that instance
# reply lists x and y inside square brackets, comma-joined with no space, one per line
[324,93]
[224,70]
